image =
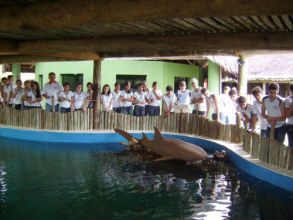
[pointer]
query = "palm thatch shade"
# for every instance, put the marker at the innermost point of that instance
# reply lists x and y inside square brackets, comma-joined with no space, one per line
[277,67]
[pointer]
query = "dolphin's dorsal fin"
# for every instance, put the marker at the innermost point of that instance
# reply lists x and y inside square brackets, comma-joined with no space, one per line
[158,135]
[144,139]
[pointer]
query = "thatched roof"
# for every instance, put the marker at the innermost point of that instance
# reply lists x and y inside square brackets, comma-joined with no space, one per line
[278,67]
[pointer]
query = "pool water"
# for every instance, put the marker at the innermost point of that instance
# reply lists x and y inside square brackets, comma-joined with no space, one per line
[67,181]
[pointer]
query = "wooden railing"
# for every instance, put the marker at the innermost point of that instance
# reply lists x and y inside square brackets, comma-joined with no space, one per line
[264,149]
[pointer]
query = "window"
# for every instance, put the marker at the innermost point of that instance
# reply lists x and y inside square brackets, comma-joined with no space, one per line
[40,80]
[177,81]
[72,79]
[134,79]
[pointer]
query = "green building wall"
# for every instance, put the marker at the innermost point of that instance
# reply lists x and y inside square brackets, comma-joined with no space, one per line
[214,77]
[162,72]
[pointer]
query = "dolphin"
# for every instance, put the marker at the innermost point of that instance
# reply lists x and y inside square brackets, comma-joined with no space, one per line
[167,148]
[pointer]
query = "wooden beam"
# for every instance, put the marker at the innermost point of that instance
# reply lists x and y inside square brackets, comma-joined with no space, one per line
[23,58]
[96,91]
[164,45]
[75,13]
[8,47]
[70,55]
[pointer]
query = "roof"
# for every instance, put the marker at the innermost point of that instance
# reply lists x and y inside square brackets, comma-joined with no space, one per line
[90,29]
[278,67]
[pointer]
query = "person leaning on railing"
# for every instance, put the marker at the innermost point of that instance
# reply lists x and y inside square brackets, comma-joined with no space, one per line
[245,110]
[212,104]
[274,112]
[18,93]
[169,100]
[79,98]
[126,98]
[155,100]
[66,99]
[289,115]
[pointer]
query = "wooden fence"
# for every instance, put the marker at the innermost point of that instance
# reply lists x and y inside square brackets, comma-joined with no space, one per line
[265,149]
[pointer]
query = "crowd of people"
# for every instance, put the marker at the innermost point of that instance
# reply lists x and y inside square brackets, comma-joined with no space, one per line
[264,113]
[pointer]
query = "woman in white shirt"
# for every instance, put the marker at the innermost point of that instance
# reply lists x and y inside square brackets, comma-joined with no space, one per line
[79,98]
[139,100]
[34,96]
[66,99]
[169,100]
[106,98]
[155,100]
[27,89]
[117,105]
[183,94]
[18,94]
[126,98]
[89,95]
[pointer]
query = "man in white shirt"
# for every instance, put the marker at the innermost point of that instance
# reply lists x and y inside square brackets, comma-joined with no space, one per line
[274,112]
[139,100]
[155,100]
[147,92]
[257,121]
[52,89]
[245,111]
[117,104]
[289,115]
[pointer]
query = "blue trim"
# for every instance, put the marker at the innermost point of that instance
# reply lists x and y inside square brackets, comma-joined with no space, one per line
[255,170]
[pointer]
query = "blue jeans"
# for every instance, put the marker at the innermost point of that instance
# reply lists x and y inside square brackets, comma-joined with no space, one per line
[49,108]
[33,107]
[139,110]
[280,133]
[117,110]
[65,110]
[154,110]
[147,110]
[127,110]
[263,133]
[290,135]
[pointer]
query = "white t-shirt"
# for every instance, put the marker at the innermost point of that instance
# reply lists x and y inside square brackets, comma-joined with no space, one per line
[154,101]
[26,92]
[289,105]
[226,103]
[53,89]
[126,95]
[212,103]
[256,110]
[106,102]
[19,94]
[33,98]
[116,99]
[247,111]
[78,99]
[140,98]
[273,109]
[67,102]
[170,100]
[183,97]
[202,107]
[8,89]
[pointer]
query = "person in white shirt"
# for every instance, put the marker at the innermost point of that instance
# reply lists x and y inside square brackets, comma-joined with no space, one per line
[224,105]
[89,95]
[183,94]
[289,115]
[66,99]
[147,92]
[200,103]
[245,111]
[18,95]
[169,100]
[212,103]
[27,89]
[52,89]
[126,98]
[155,100]
[117,104]
[9,89]
[258,123]
[273,110]
[139,101]
[106,99]
[35,96]
[79,98]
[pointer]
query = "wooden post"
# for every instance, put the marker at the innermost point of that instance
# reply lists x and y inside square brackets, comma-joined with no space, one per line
[242,80]
[96,91]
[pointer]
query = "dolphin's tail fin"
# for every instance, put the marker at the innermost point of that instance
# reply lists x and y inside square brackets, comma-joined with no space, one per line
[157,135]
[127,136]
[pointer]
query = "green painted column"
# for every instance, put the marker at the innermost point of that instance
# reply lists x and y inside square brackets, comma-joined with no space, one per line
[16,70]
[214,80]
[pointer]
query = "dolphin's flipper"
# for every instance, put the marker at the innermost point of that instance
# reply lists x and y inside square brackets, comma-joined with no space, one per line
[158,135]
[126,135]
[164,158]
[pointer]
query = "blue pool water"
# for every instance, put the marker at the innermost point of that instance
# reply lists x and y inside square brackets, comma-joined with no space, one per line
[98,181]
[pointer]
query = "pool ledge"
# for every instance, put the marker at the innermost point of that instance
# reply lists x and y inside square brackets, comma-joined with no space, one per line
[272,174]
